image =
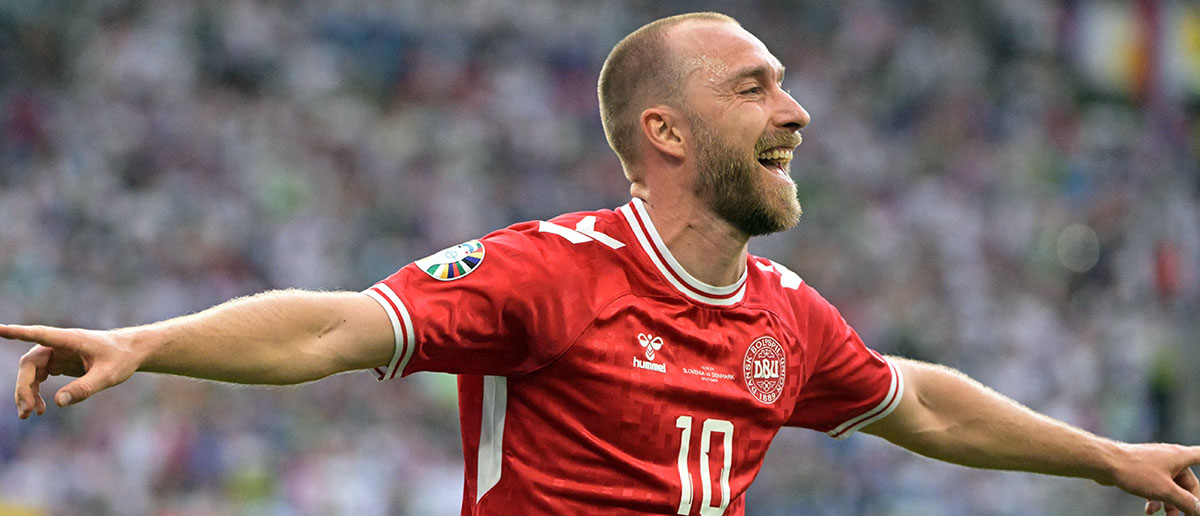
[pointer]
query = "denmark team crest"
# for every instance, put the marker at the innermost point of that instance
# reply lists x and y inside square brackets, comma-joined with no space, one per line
[765,369]
[453,262]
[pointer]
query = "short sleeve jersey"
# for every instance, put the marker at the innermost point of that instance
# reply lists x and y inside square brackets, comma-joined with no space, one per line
[596,376]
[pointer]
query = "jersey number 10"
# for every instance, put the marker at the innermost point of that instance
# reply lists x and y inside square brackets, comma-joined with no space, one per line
[688,493]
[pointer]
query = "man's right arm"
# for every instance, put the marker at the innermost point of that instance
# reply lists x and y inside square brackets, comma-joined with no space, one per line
[282,337]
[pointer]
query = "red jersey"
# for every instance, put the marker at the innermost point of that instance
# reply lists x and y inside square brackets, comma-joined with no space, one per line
[596,376]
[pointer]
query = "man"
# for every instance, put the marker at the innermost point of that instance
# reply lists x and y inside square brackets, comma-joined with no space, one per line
[628,361]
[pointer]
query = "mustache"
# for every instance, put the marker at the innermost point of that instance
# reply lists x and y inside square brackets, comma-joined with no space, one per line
[779,139]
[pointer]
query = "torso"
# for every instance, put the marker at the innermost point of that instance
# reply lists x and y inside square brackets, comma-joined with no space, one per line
[652,393]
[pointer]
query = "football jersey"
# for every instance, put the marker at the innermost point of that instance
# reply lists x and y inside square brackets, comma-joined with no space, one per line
[596,376]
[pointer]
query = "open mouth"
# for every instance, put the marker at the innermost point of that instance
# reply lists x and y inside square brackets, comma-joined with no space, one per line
[776,160]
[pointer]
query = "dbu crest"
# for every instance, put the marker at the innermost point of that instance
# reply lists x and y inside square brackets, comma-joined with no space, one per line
[765,369]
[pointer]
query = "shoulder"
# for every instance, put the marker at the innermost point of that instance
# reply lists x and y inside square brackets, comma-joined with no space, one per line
[774,275]
[585,234]
[569,251]
[773,280]
[778,288]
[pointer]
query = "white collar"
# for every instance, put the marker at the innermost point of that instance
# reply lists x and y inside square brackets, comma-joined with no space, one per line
[639,220]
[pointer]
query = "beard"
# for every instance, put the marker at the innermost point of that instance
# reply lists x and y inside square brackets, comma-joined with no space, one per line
[735,187]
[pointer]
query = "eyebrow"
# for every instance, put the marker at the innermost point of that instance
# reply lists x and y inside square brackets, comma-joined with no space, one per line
[760,72]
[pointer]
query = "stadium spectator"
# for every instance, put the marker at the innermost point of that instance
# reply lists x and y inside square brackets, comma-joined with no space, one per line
[271,160]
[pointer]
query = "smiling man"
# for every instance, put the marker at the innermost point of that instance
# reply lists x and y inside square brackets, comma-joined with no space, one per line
[628,361]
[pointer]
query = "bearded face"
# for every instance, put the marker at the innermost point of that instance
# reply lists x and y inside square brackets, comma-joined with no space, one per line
[750,191]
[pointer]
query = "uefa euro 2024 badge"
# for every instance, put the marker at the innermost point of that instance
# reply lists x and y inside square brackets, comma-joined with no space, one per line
[454,262]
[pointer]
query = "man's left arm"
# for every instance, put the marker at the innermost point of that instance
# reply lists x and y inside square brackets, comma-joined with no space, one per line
[947,416]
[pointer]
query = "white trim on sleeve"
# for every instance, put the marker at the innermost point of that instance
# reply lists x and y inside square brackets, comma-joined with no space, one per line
[402,327]
[880,411]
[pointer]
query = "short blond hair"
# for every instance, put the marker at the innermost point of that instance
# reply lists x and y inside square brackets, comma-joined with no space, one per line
[638,72]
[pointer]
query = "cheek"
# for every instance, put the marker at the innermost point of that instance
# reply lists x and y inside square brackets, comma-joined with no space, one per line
[747,134]
[741,123]
[750,119]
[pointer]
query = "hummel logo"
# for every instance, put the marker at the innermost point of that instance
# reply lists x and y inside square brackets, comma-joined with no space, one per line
[651,343]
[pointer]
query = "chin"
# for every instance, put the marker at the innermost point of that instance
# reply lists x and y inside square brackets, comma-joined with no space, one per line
[773,212]
[786,214]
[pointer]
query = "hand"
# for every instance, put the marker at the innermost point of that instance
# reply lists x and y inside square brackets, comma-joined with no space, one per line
[101,359]
[1162,474]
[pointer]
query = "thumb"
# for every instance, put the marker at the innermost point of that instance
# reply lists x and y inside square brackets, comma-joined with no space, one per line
[1184,501]
[78,390]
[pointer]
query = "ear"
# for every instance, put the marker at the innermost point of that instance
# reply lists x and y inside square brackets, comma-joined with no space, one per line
[664,130]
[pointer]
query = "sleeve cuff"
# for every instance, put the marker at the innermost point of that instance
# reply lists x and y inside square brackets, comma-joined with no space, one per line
[401,326]
[880,411]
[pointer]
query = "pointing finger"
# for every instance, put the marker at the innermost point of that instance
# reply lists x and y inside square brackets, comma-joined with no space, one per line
[19,332]
[56,338]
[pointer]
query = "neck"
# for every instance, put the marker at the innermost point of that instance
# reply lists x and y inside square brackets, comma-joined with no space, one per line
[705,245]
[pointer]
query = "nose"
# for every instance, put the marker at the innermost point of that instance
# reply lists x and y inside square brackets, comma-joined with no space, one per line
[792,116]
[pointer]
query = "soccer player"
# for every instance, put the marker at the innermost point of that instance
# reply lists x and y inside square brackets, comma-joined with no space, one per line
[627,361]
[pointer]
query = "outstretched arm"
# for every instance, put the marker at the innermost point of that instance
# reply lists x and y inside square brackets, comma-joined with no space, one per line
[948,416]
[281,337]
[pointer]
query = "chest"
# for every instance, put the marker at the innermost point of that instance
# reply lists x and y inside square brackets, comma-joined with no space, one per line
[647,363]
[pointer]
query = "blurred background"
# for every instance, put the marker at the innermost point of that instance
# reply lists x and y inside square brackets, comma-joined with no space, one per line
[1009,188]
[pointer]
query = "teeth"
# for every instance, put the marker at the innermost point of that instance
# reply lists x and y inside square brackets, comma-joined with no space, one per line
[776,155]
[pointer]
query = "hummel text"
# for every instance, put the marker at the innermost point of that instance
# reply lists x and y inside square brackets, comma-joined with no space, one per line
[650,366]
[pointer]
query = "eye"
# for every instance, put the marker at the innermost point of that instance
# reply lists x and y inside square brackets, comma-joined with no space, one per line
[753,90]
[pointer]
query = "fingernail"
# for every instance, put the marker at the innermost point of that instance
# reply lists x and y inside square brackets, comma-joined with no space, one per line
[20,407]
[63,399]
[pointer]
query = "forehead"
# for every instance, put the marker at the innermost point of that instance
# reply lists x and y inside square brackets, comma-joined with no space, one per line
[718,50]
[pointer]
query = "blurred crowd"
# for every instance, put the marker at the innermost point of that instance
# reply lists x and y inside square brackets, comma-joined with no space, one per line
[1009,188]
